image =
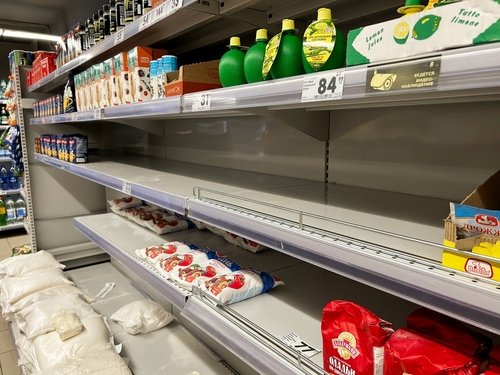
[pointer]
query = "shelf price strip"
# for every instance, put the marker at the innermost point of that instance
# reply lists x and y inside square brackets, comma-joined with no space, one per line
[327,86]
[120,34]
[160,12]
[294,341]
[126,187]
[201,102]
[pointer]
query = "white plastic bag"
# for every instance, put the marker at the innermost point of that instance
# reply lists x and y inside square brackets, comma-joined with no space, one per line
[141,317]
[157,252]
[25,264]
[67,324]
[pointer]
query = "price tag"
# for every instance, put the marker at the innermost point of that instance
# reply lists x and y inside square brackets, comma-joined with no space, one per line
[294,341]
[201,102]
[160,12]
[119,36]
[126,187]
[146,20]
[327,86]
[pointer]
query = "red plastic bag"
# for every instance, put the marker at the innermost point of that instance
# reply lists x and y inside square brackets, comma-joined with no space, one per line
[407,352]
[353,339]
[449,331]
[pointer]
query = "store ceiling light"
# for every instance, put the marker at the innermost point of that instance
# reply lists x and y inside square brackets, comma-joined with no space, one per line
[28,35]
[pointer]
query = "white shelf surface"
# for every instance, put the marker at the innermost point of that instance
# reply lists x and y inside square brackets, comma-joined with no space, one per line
[168,350]
[156,108]
[294,307]
[132,34]
[82,116]
[11,192]
[269,210]
[8,227]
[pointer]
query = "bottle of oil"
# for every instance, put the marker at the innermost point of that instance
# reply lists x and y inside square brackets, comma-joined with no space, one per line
[231,71]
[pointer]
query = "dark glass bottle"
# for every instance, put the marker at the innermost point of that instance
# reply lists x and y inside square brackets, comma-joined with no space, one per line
[107,21]
[112,16]
[129,10]
[97,29]
[138,8]
[90,31]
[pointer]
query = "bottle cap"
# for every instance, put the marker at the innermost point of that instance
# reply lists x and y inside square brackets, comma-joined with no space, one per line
[324,14]
[288,25]
[235,41]
[261,34]
[411,6]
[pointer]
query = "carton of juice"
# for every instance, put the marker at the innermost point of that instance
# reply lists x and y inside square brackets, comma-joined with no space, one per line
[122,73]
[139,59]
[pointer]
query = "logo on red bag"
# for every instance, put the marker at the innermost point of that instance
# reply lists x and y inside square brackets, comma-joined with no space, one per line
[479,268]
[346,345]
[488,220]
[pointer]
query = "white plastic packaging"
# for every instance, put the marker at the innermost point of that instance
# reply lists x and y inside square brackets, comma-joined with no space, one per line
[66,324]
[141,317]
[25,264]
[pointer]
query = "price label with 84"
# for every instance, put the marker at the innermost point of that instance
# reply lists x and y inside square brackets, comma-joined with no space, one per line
[326,86]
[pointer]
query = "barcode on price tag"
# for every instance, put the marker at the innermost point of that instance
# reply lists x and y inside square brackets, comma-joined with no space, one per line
[126,187]
[201,102]
[294,341]
[327,86]
[119,36]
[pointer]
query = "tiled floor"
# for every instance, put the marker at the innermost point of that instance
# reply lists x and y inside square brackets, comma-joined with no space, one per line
[8,356]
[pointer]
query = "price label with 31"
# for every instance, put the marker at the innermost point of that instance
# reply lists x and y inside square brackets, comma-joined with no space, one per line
[201,102]
[326,86]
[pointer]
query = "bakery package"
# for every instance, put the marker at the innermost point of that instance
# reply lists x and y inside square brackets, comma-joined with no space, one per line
[460,24]
[353,339]
[473,227]
[408,352]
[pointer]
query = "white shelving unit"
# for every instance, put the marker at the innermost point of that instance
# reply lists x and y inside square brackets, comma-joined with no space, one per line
[332,225]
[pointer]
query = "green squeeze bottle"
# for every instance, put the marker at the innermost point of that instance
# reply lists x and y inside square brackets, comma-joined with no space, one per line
[324,46]
[231,72]
[254,58]
[284,53]
[3,213]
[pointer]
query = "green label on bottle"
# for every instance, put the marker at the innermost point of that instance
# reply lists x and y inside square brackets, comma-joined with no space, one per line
[272,49]
[319,41]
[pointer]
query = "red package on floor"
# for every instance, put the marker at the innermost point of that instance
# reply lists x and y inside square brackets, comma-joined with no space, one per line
[492,370]
[495,355]
[449,331]
[353,339]
[410,353]
[494,362]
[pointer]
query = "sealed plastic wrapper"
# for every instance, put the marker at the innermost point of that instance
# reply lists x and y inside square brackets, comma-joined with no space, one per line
[67,324]
[473,221]
[450,332]
[239,285]
[172,264]
[142,317]
[157,252]
[125,202]
[18,266]
[168,225]
[353,339]
[409,353]
[196,274]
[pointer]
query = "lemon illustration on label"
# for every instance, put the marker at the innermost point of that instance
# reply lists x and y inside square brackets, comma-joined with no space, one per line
[401,32]
[426,27]
[270,55]
[319,41]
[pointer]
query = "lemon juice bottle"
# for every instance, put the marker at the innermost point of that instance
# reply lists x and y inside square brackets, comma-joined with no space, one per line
[231,71]
[254,58]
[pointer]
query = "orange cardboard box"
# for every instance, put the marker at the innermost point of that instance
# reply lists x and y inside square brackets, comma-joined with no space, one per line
[139,60]
[193,78]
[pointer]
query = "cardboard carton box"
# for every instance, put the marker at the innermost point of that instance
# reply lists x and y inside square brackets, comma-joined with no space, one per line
[139,60]
[461,24]
[193,78]
[484,197]
[121,71]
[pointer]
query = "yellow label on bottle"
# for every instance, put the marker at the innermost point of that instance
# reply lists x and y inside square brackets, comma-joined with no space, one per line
[2,211]
[272,49]
[319,41]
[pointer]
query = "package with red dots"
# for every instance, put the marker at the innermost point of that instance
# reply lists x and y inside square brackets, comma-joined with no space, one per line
[353,339]
[239,285]
[170,265]
[168,224]
[198,273]
[408,352]
[157,252]
[123,203]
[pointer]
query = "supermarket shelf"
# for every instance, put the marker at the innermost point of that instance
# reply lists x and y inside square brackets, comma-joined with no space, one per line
[347,230]
[165,26]
[464,73]
[167,350]
[11,227]
[68,117]
[3,127]
[156,108]
[11,192]
[4,159]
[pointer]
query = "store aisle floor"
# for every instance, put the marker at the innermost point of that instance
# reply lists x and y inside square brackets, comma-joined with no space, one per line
[8,355]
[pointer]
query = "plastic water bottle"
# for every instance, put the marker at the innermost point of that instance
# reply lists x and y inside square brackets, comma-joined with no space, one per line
[11,211]
[20,209]
[13,179]
[4,178]
[3,213]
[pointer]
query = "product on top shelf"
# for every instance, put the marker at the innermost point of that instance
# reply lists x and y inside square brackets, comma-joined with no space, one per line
[353,339]
[121,71]
[106,20]
[147,6]
[120,14]
[71,148]
[138,8]
[231,70]
[324,46]
[284,53]
[192,78]
[460,24]
[129,10]
[254,58]
[407,352]
[112,16]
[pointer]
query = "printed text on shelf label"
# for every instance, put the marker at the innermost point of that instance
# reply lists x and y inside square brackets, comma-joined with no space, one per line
[201,102]
[327,86]
[126,187]
[294,341]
